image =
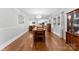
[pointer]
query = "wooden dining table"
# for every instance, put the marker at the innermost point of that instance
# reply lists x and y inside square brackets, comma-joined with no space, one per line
[39,34]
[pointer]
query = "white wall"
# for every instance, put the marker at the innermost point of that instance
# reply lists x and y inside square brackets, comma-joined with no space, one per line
[57,28]
[9,26]
[27,22]
[61,30]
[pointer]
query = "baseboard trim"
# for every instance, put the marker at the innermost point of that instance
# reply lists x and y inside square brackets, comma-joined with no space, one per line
[10,41]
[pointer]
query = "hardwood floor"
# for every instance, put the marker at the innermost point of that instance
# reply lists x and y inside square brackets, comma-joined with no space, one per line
[25,43]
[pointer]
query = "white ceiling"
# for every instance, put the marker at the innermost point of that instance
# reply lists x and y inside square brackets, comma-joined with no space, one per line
[41,11]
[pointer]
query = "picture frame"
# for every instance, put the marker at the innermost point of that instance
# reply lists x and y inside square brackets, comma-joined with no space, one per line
[20,19]
[54,22]
[58,22]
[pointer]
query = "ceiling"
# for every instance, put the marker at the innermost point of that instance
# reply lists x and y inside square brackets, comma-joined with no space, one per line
[41,11]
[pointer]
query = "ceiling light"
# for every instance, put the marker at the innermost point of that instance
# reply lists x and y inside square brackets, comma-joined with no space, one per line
[39,16]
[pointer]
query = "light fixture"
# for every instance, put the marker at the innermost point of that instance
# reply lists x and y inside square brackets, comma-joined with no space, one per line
[39,16]
[74,14]
[69,17]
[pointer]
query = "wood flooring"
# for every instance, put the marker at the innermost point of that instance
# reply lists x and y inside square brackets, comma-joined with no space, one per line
[25,43]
